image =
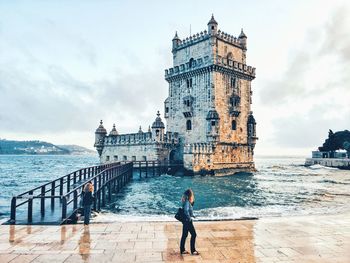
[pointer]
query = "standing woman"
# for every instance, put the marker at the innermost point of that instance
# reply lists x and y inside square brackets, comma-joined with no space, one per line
[88,199]
[187,224]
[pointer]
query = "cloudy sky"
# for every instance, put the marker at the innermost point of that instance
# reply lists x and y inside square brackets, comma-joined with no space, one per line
[64,65]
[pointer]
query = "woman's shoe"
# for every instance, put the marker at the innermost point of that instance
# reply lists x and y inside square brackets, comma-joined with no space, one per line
[195,253]
[184,252]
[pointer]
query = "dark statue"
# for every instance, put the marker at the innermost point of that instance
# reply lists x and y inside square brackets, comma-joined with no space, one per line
[337,141]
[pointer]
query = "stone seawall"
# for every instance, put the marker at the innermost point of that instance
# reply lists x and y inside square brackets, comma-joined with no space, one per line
[329,162]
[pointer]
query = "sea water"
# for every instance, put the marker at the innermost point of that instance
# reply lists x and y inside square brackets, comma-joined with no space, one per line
[280,187]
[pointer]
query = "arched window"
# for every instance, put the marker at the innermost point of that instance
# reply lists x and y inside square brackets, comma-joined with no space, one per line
[229,56]
[234,125]
[188,125]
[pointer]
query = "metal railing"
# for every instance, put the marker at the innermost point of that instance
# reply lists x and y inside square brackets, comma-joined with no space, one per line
[68,189]
[155,167]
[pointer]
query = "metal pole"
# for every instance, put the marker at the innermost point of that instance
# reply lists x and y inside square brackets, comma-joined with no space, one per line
[30,207]
[13,209]
[68,183]
[140,168]
[64,208]
[103,196]
[74,178]
[42,201]
[154,168]
[75,200]
[61,186]
[52,194]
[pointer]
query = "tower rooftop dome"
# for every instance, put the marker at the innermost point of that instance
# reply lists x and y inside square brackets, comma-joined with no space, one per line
[176,37]
[158,122]
[212,20]
[101,129]
[114,131]
[242,35]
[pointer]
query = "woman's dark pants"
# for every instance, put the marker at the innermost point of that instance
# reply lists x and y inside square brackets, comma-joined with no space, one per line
[187,226]
[87,214]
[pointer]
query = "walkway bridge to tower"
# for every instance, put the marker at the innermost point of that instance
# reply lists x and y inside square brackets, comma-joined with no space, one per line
[57,202]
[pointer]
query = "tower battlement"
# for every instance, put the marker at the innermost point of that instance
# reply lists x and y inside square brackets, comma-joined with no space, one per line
[204,35]
[202,63]
[140,138]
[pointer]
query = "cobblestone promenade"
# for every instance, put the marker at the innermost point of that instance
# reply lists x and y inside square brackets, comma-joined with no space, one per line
[293,239]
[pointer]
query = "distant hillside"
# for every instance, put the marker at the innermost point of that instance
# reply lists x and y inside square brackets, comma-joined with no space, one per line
[39,147]
[76,149]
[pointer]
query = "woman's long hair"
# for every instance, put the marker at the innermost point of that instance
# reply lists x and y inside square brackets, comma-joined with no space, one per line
[188,195]
[88,187]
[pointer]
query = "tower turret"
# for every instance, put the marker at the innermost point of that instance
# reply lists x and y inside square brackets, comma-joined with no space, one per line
[100,135]
[158,129]
[114,131]
[212,26]
[243,39]
[176,41]
[251,126]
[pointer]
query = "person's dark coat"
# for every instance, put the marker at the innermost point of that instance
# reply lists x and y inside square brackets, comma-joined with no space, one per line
[88,198]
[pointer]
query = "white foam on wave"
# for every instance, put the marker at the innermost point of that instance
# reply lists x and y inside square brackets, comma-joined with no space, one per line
[319,166]
[222,213]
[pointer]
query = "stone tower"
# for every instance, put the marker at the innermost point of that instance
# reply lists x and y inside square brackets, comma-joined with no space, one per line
[209,101]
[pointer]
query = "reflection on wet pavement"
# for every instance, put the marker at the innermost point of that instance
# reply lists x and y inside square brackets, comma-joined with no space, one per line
[84,243]
[293,239]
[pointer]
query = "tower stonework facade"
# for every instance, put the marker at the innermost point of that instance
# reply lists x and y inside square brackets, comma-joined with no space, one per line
[209,122]
[209,102]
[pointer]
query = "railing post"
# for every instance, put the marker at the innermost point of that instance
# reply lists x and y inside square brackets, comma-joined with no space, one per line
[64,208]
[80,174]
[42,201]
[109,191]
[61,186]
[68,183]
[13,209]
[99,181]
[131,172]
[140,168]
[99,200]
[103,196]
[95,184]
[74,177]
[75,200]
[53,188]
[30,207]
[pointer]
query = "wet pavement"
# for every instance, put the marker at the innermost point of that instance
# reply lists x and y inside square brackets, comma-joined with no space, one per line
[293,239]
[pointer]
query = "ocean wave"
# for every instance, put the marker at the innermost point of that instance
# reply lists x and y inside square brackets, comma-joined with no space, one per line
[319,166]
[223,213]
